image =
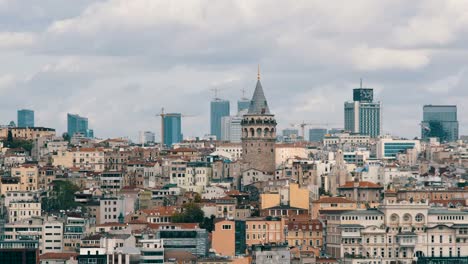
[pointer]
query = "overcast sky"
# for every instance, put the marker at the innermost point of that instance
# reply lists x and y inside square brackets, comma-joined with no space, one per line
[119,61]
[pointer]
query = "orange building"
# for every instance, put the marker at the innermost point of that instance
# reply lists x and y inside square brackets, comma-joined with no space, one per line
[264,230]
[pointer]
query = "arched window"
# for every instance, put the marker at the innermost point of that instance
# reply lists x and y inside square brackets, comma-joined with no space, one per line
[259,132]
[252,132]
[265,132]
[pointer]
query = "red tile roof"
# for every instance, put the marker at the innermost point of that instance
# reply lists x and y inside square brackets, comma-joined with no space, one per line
[333,200]
[62,256]
[361,184]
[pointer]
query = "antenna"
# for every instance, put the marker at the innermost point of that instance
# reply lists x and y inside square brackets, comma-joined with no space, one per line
[361,82]
[243,94]
[215,90]
[258,73]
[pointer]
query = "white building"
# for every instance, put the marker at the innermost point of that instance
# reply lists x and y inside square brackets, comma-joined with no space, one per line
[388,148]
[19,210]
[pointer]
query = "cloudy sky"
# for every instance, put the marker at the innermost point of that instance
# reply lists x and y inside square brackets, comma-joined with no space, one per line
[119,61]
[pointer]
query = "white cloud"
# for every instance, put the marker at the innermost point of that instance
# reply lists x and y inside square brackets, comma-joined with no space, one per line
[12,40]
[374,59]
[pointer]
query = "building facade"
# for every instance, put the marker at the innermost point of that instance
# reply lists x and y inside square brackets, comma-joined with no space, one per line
[25,118]
[317,134]
[440,121]
[363,115]
[172,132]
[219,108]
[78,124]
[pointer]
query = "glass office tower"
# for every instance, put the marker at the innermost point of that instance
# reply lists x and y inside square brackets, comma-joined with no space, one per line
[172,128]
[219,108]
[363,115]
[440,121]
[77,124]
[317,134]
[25,118]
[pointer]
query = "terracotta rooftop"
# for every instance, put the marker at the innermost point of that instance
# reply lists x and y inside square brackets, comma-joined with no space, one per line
[361,184]
[61,256]
[333,200]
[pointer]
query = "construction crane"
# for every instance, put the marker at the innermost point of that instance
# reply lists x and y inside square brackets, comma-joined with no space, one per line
[304,124]
[163,114]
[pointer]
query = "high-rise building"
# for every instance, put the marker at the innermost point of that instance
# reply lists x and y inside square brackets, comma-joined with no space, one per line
[289,135]
[259,133]
[231,128]
[145,137]
[363,115]
[78,124]
[440,121]
[219,108]
[317,134]
[25,118]
[172,128]
[243,104]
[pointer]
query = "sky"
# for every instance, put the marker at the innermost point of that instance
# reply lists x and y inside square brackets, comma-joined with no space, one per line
[118,62]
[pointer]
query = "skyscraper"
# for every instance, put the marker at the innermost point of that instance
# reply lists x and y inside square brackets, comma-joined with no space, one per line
[145,137]
[78,124]
[440,121]
[363,115]
[317,134]
[231,128]
[219,108]
[243,104]
[259,133]
[25,118]
[172,128]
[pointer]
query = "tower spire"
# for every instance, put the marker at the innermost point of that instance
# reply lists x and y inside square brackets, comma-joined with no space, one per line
[258,73]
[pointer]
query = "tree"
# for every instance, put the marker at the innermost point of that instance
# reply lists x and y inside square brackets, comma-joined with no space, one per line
[191,213]
[62,197]
[208,223]
[9,137]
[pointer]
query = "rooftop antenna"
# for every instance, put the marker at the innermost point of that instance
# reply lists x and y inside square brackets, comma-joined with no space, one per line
[258,73]
[243,94]
[215,90]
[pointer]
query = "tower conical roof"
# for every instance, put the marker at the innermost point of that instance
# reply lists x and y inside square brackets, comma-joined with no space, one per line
[258,104]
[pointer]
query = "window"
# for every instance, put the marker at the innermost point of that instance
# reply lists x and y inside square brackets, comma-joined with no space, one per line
[226,227]
[419,218]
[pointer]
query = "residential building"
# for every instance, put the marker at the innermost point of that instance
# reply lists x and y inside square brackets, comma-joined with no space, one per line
[27,133]
[25,118]
[29,176]
[19,210]
[172,132]
[229,238]
[264,230]
[440,121]
[219,108]
[152,251]
[304,232]
[363,115]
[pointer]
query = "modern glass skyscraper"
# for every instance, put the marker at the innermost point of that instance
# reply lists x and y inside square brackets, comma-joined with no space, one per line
[78,124]
[243,104]
[219,108]
[25,118]
[172,128]
[440,121]
[317,134]
[231,128]
[363,115]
